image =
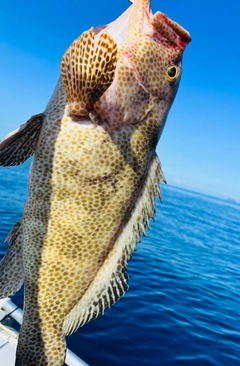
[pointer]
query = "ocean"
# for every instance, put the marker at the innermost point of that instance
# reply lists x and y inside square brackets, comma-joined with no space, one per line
[183,304]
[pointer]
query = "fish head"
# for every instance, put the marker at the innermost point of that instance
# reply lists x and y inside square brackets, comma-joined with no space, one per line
[149,65]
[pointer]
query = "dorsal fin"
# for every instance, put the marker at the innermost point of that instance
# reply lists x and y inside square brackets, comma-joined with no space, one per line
[87,70]
[111,281]
[20,144]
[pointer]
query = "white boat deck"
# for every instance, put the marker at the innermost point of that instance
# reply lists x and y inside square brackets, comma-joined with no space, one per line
[9,336]
[8,344]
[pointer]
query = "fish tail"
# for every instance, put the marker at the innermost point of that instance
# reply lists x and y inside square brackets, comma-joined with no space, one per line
[11,266]
[40,340]
[87,70]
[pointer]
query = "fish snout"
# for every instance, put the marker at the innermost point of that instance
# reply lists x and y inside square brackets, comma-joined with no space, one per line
[170,30]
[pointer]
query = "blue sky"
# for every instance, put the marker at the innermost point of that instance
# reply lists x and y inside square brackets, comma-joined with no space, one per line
[200,146]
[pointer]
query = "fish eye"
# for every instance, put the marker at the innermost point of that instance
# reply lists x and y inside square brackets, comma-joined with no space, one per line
[172,73]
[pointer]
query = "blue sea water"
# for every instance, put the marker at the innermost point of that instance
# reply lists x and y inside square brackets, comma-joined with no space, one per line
[183,305]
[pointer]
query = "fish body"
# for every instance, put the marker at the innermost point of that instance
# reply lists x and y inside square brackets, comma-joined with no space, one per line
[94,177]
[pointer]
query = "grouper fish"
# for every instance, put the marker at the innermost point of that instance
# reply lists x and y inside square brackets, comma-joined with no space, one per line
[94,177]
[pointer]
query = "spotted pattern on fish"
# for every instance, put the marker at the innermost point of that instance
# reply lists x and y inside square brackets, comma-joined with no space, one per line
[94,177]
[140,77]
[39,345]
[88,210]
[88,70]
[112,276]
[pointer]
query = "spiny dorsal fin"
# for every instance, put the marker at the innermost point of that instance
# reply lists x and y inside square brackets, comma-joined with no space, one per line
[20,144]
[11,266]
[111,281]
[87,70]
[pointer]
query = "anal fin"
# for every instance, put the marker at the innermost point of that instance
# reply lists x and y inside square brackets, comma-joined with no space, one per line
[87,70]
[11,266]
[20,144]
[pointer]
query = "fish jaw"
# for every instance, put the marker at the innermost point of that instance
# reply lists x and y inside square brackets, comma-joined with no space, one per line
[138,20]
[131,23]
[149,66]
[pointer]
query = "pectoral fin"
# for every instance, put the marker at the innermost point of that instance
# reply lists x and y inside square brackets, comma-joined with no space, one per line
[87,70]
[20,144]
[11,266]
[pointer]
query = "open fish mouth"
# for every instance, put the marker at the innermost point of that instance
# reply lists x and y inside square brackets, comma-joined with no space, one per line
[138,19]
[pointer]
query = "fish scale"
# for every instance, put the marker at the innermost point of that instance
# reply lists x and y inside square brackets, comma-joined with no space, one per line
[94,178]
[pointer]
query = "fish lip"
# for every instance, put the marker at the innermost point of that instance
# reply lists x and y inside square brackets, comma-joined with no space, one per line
[148,23]
[122,29]
[170,30]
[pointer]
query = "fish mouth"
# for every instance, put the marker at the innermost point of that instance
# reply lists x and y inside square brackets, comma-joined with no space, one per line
[130,23]
[138,19]
[170,30]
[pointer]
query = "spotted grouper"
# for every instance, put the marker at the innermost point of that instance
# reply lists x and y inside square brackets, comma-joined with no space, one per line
[94,177]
